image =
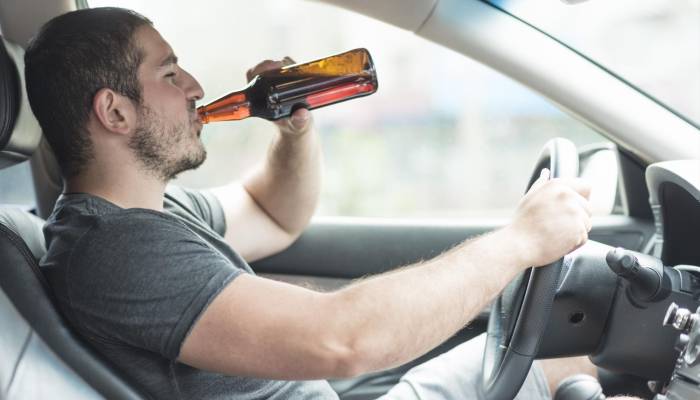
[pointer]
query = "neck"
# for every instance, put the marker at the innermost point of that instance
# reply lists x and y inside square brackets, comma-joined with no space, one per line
[129,188]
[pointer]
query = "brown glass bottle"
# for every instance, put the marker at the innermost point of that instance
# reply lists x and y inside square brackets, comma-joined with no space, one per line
[278,93]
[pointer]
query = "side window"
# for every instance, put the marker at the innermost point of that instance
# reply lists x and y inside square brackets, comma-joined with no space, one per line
[444,136]
[16,186]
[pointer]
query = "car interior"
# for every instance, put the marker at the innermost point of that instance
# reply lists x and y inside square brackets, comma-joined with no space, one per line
[596,310]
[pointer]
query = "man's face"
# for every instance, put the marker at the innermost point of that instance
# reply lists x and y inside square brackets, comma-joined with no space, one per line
[166,140]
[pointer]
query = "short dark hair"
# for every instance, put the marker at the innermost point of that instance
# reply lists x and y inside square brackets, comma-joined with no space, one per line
[68,62]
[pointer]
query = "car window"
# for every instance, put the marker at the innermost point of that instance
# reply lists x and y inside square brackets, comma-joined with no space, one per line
[653,44]
[444,136]
[16,186]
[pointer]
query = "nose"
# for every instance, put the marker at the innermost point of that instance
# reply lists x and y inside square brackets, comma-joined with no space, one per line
[192,88]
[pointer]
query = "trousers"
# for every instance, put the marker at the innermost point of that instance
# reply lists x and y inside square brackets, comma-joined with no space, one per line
[456,374]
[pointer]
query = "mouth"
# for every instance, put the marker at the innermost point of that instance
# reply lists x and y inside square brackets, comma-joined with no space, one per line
[195,119]
[197,125]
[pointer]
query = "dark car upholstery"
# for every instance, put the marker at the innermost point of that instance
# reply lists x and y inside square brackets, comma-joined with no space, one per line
[40,357]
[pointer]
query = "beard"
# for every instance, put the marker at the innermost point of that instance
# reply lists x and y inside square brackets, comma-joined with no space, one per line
[164,148]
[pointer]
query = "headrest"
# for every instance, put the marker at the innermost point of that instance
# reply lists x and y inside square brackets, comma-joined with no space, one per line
[19,131]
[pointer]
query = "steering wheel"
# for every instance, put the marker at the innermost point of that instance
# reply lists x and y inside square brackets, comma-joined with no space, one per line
[520,314]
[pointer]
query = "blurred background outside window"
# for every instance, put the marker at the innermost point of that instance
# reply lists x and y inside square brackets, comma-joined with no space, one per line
[444,136]
[653,44]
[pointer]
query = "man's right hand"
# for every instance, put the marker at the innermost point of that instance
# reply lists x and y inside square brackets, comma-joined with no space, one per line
[552,219]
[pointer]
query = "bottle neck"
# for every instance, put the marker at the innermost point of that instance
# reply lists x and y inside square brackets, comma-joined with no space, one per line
[234,106]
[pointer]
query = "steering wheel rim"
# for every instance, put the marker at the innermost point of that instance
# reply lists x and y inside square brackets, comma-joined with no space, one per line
[520,314]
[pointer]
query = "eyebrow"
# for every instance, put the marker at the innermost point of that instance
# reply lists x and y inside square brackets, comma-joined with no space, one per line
[170,59]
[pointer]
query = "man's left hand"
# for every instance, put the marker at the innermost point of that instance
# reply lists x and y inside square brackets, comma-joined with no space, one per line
[301,121]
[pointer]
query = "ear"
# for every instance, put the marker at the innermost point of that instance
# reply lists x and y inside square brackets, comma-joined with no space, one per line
[115,112]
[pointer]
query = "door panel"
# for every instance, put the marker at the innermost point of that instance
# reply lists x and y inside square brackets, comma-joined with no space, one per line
[333,251]
[350,248]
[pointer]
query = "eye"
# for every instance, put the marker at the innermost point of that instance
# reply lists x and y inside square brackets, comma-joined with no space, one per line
[171,75]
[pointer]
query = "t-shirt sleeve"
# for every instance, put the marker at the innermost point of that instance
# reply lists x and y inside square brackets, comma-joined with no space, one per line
[144,281]
[203,203]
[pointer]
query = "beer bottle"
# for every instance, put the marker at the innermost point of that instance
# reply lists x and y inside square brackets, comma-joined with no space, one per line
[278,93]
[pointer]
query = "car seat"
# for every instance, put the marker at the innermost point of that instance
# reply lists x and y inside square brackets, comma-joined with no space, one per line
[40,356]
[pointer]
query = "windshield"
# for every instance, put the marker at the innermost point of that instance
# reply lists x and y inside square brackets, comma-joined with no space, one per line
[652,44]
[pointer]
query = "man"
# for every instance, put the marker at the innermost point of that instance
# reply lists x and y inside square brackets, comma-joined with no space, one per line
[148,274]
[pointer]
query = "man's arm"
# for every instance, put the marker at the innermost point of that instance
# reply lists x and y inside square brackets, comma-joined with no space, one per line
[261,328]
[270,208]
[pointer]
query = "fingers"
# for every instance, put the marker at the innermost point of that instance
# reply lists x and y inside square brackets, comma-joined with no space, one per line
[584,216]
[581,194]
[584,203]
[588,224]
[544,177]
[263,66]
[582,239]
[584,233]
[581,186]
[267,65]
[298,123]
[300,119]
[584,208]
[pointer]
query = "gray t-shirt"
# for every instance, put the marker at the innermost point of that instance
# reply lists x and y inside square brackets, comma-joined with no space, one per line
[133,282]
